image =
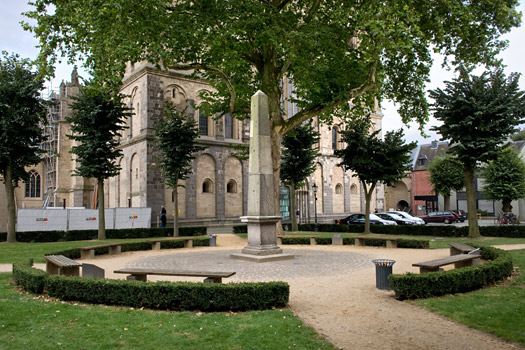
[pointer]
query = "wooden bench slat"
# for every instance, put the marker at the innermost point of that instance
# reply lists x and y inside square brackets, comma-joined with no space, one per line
[61,265]
[460,260]
[100,246]
[155,243]
[169,272]
[390,241]
[61,261]
[375,237]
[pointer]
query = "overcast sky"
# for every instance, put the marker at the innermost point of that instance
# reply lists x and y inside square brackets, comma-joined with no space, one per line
[14,39]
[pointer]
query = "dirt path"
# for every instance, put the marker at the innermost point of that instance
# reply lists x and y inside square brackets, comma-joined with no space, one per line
[346,307]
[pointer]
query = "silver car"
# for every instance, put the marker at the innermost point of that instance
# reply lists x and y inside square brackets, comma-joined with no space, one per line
[404,214]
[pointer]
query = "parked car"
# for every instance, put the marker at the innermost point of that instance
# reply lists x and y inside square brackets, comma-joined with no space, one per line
[447,217]
[360,219]
[461,214]
[397,218]
[417,220]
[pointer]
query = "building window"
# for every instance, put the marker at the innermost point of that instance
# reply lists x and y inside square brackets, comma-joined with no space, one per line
[231,187]
[33,185]
[203,123]
[228,126]
[338,189]
[353,189]
[207,186]
[335,138]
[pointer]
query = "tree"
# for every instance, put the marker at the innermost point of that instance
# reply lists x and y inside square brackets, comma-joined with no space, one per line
[373,160]
[298,161]
[333,52]
[176,136]
[22,112]
[98,118]
[478,114]
[518,136]
[446,175]
[505,178]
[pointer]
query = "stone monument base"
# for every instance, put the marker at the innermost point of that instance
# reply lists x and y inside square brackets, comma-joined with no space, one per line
[262,239]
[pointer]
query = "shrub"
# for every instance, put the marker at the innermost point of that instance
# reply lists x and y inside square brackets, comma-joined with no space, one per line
[85,235]
[415,286]
[161,295]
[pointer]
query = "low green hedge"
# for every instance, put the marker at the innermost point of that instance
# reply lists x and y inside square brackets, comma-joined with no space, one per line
[509,231]
[425,285]
[84,235]
[159,295]
[401,243]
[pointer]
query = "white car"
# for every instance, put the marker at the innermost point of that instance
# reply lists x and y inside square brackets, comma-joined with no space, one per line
[404,214]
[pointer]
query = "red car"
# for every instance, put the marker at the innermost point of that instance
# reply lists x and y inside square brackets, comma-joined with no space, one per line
[447,217]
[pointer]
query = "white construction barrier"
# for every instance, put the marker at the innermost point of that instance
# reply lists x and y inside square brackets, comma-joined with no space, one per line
[58,219]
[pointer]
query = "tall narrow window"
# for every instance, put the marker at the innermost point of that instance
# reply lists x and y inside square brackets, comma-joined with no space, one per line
[334,138]
[228,126]
[203,123]
[33,185]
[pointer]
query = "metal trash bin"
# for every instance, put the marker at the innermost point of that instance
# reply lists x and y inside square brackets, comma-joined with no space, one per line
[213,240]
[383,270]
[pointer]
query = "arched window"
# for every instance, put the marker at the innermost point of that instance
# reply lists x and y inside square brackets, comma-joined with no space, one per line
[338,189]
[33,185]
[353,189]
[228,126]
[231,187]
[207,186]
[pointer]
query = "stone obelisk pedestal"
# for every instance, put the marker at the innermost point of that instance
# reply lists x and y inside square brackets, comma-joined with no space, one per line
[261,218]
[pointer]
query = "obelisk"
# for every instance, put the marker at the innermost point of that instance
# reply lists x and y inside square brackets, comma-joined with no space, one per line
[261,218]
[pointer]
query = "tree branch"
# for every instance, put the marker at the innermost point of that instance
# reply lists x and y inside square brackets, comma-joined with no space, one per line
[306,114]
[217,71]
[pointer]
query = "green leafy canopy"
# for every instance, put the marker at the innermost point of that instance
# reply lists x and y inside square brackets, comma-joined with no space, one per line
[505,176]
[334,51]
[96,122]
[446,175]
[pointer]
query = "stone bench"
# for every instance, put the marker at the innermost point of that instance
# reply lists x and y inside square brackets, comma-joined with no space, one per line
[141,274]
[460,260]
[155,243]
[312,238]
[461,248]
[61,265]
[89,252]
[390,242]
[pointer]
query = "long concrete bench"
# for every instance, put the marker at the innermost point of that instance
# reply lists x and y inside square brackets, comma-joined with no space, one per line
[390,242]
[312,238]
[89,251]
[141,274]
[461,248]
[460,260]
[61,265]
[155,243]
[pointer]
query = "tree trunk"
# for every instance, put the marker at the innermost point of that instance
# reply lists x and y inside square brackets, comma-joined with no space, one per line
[101,214]
[11,210]
[368,199]
[473,227]
[507,207]
[446,202]
[176,210]
[293,217]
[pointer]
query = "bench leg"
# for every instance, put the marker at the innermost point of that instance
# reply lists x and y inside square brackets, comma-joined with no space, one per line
[51,269]
[114,250]
[461,264]
[155,246]
[69,271]
[391,244]
[313,241]
[188,243]
[454,251]
[279,241]
[143,278]
[359,242]
[213,280]
[87,254]
[426,269]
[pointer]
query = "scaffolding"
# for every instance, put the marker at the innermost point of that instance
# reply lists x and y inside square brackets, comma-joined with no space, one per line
[50,148]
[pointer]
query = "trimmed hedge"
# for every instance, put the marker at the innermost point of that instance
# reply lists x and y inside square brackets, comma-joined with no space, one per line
[177,296]
[466,279]
[240,229]
[401,243]
[509,231]
[85,235]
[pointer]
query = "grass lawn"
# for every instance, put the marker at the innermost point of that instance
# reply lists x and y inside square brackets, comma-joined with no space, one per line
[498,310]
[30,322]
